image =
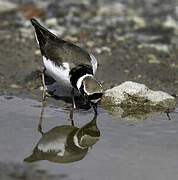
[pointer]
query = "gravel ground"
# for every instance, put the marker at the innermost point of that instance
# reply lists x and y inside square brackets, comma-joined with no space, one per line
[132,41]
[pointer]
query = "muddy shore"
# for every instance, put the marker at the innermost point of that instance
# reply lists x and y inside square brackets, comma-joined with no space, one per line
[127,49]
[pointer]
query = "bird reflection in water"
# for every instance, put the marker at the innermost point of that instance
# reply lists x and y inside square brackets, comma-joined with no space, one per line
[66,143]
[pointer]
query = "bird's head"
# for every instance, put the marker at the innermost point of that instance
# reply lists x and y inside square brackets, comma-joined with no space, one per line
[92,90]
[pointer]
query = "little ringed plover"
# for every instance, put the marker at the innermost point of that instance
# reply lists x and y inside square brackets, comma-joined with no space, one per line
[68,64]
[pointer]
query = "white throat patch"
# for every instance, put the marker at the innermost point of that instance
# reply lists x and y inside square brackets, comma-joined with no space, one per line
[79,82]
[76,142]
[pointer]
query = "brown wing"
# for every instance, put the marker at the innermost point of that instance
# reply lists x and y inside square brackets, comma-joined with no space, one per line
[58,50]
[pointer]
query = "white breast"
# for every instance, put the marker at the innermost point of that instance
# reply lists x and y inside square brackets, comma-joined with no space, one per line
[53,146]
[59,73]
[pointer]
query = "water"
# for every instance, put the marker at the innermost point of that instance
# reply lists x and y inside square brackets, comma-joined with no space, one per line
[125,149]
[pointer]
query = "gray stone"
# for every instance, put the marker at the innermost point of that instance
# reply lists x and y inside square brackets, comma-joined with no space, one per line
[135,96]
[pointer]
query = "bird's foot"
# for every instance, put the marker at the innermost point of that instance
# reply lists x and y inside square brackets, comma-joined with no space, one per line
[45,93]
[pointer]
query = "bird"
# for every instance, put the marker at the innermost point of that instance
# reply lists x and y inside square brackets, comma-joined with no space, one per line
[68,64]
[65,143]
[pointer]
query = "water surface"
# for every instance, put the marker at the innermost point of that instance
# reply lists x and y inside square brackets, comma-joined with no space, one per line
[126,150]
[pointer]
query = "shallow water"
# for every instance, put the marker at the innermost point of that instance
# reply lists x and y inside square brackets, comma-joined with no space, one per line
[125,150]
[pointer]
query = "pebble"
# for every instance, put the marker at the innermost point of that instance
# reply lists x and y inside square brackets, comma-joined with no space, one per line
[173,65]
[152,59]
[126,70]
[51,22]
[15,86]
[158,47]
[70,38]
[170,23]
[60,30]
[37,52]
[7,6]
[112,8]
[139,76]
[102,49]
[90,43]
[140,22]
[73,30]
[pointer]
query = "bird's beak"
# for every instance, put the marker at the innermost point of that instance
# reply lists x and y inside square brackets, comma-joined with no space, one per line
[95,108]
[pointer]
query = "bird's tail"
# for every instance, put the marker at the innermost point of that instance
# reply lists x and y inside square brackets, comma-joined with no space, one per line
[41,33]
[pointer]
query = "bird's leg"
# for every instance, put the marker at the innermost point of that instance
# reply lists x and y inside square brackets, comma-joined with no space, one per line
[73,99]
[95,109]
[41,118]
[73,107]
[43,84]
[168,114]
[45,94]
[71,117]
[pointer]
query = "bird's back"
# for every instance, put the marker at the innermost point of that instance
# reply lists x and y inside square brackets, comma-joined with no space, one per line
[58,50]
[61,52]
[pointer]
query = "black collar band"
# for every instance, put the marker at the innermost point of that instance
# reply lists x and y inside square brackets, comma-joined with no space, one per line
[78,72]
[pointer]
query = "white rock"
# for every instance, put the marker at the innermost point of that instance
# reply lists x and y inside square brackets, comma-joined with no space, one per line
[135,94]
